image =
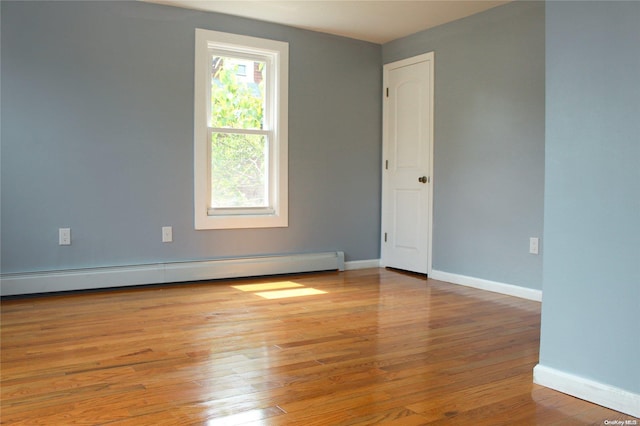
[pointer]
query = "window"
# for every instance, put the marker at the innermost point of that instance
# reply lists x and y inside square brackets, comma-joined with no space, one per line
[241,70]
[240,131]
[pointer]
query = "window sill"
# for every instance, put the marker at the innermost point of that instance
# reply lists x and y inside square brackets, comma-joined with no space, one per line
[241,221]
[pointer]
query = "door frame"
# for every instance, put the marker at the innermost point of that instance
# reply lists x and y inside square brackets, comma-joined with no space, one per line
[425,57]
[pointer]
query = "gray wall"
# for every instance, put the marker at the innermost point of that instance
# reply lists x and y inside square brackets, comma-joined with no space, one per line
[489,141]
[590,324]
[97,134]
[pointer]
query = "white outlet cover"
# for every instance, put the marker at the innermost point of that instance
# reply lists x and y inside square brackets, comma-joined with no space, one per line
[534,245]
[64,236]
[167,234]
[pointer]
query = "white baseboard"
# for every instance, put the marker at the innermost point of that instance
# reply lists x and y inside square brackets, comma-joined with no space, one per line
[361,264]
[589,390]
[496,287]
[120,276]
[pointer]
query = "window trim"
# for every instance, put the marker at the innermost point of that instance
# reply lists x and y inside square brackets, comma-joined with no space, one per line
[276,215]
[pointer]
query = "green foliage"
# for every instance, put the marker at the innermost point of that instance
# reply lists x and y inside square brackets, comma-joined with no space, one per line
[238,170]
[235,104]
[238,161]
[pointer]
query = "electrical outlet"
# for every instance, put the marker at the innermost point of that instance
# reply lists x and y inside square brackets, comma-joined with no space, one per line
[533,245]
[64,236]
[167,234]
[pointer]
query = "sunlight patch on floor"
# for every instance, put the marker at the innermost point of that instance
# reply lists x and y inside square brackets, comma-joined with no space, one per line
[267,286]
[281,294]
[278,290]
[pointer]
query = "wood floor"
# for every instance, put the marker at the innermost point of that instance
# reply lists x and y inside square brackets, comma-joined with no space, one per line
[353,348]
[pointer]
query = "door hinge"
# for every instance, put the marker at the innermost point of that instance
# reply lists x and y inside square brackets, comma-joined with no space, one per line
[385,237]
[387,92]
[386,164]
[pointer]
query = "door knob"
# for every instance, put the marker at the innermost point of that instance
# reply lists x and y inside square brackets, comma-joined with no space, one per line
[422,179]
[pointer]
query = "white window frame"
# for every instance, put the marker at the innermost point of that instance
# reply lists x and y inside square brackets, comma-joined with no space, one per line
[207,43]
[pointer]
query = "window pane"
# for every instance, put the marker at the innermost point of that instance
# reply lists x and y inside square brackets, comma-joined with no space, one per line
[239,166]
[237,93]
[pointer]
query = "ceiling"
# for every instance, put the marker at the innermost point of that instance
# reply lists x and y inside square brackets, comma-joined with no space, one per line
[373,21]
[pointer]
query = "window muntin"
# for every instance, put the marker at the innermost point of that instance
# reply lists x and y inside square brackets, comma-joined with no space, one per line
[240,143]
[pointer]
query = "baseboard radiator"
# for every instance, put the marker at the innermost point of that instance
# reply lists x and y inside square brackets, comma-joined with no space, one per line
[159,273]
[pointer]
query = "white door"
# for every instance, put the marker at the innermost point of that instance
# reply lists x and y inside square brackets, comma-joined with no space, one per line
[407,164]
